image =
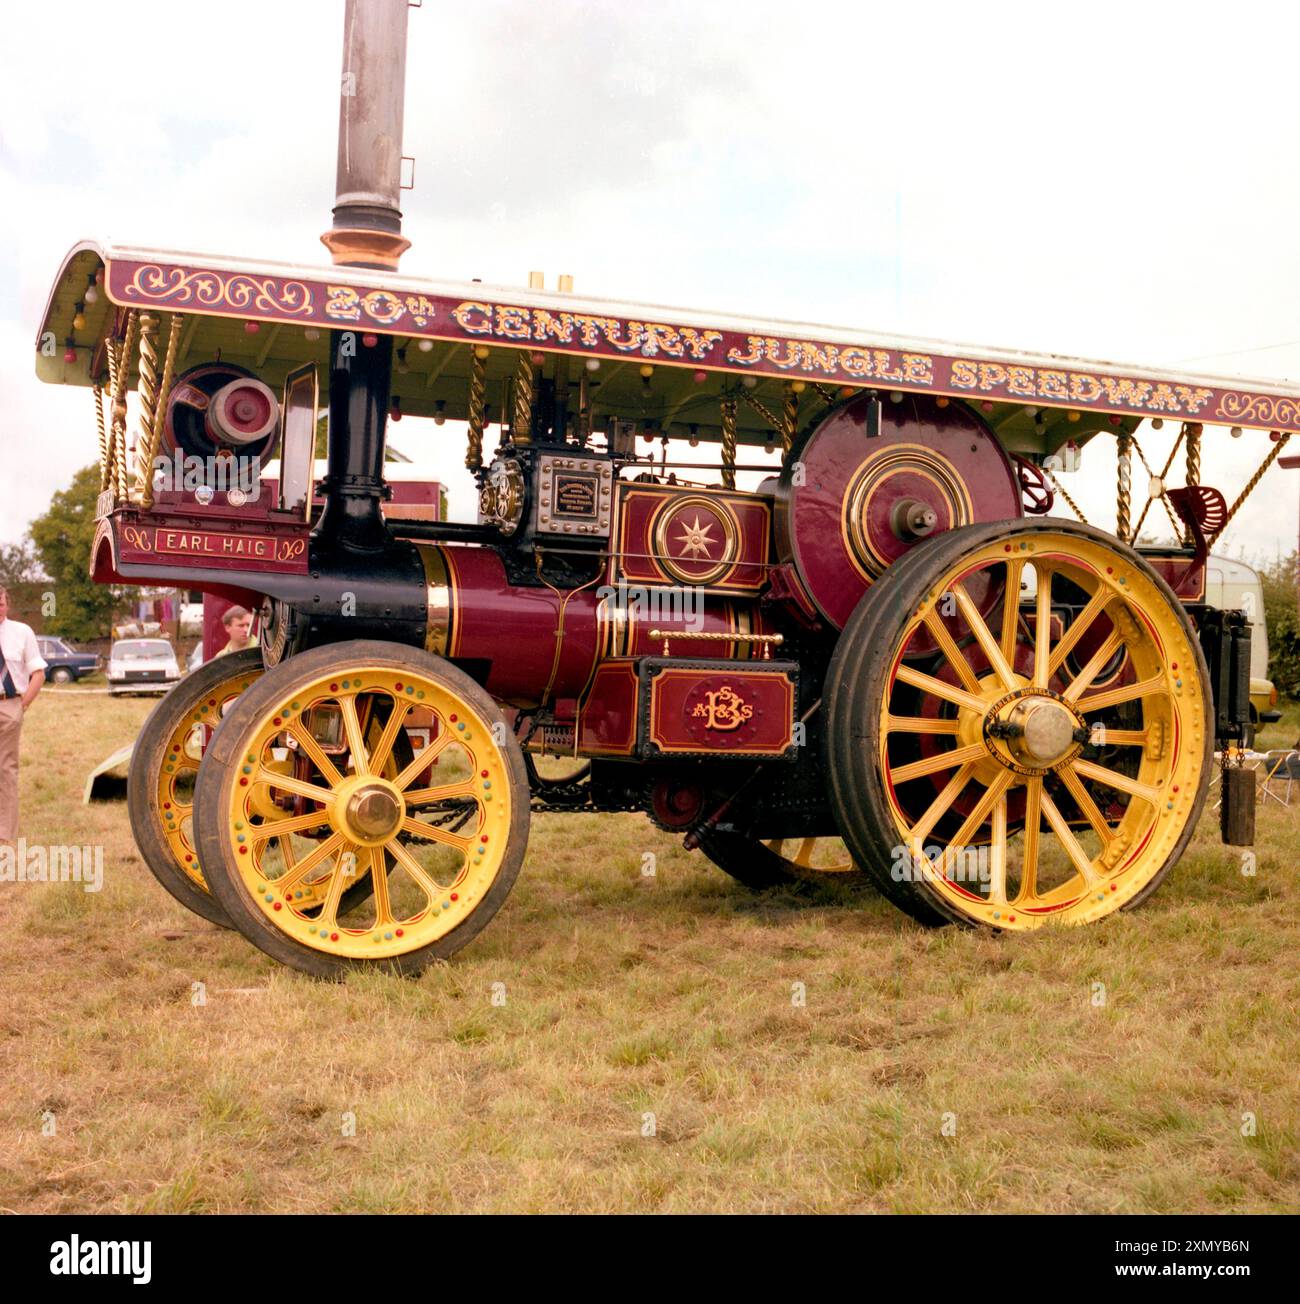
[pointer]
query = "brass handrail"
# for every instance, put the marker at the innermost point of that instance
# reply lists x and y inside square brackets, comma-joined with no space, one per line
[768,641]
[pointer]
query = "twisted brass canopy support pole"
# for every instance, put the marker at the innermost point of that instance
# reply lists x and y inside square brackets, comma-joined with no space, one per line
[1124,496]
[477,403]
[160,403]
[148,392]
[521,429]
[111,348]
[169,364]
[104,465]
[789,420]
[729,443]
[1193,430]
[117,440]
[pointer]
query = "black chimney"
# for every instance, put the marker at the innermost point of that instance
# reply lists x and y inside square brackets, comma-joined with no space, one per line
[367,232]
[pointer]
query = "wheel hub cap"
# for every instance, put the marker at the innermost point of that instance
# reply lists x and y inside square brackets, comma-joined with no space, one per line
[372,812]
[1031,730]
[1045,731]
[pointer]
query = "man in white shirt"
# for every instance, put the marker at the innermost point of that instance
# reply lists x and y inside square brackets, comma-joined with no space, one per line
[21,677]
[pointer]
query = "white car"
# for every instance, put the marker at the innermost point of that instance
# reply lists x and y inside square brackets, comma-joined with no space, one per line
[142,665]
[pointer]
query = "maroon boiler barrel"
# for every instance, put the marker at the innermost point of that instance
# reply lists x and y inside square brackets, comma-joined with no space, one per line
[538,643]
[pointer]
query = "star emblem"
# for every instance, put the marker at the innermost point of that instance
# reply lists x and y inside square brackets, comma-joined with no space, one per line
[696,540]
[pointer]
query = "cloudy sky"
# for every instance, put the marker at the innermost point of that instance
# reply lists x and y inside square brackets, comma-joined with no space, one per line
[1117,181]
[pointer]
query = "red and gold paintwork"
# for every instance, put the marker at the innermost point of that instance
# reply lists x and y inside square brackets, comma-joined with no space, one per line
[384,308]
[416,308]
[837,530]
[713,710]
[607,724]
[161,539]
[666,706]
[557,641]
[716,541]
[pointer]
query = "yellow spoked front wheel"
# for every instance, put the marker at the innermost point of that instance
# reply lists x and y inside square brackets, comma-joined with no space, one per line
[442,836]
[1018,727]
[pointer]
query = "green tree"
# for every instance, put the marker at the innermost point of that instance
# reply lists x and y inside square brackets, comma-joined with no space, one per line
[18,564]
[63,537]
[1279,580]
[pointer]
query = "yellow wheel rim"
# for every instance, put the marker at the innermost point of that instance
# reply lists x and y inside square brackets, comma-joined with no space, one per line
[1045,765]
[432,834]
[183,752]
[813,856]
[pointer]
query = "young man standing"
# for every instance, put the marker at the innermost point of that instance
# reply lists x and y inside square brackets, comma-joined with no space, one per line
[21,678]
[238,622]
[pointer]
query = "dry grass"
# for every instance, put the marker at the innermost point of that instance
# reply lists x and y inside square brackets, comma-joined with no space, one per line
[628,996]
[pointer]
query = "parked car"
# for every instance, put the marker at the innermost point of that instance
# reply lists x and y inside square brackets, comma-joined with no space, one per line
[65,664]
[1264,701]
[142,665]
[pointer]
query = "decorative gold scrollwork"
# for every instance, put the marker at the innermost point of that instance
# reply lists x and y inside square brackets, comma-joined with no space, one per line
[237,292]
[1261,408]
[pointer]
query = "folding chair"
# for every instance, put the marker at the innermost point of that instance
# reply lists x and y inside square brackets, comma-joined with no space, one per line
[1282,766]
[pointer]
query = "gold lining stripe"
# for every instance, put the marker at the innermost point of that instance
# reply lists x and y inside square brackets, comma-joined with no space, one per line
[440,592]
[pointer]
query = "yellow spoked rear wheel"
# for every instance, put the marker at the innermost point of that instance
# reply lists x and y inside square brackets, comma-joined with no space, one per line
[442,836]
[164,765]
[813,855]
[774,862]
[1019,728]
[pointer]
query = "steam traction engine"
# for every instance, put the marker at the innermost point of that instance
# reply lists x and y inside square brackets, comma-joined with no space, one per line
[886,663]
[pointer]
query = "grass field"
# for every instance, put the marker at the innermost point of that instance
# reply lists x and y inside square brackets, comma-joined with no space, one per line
[649,1053]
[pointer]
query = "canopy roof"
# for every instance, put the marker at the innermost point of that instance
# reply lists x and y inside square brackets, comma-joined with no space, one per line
[272,317]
